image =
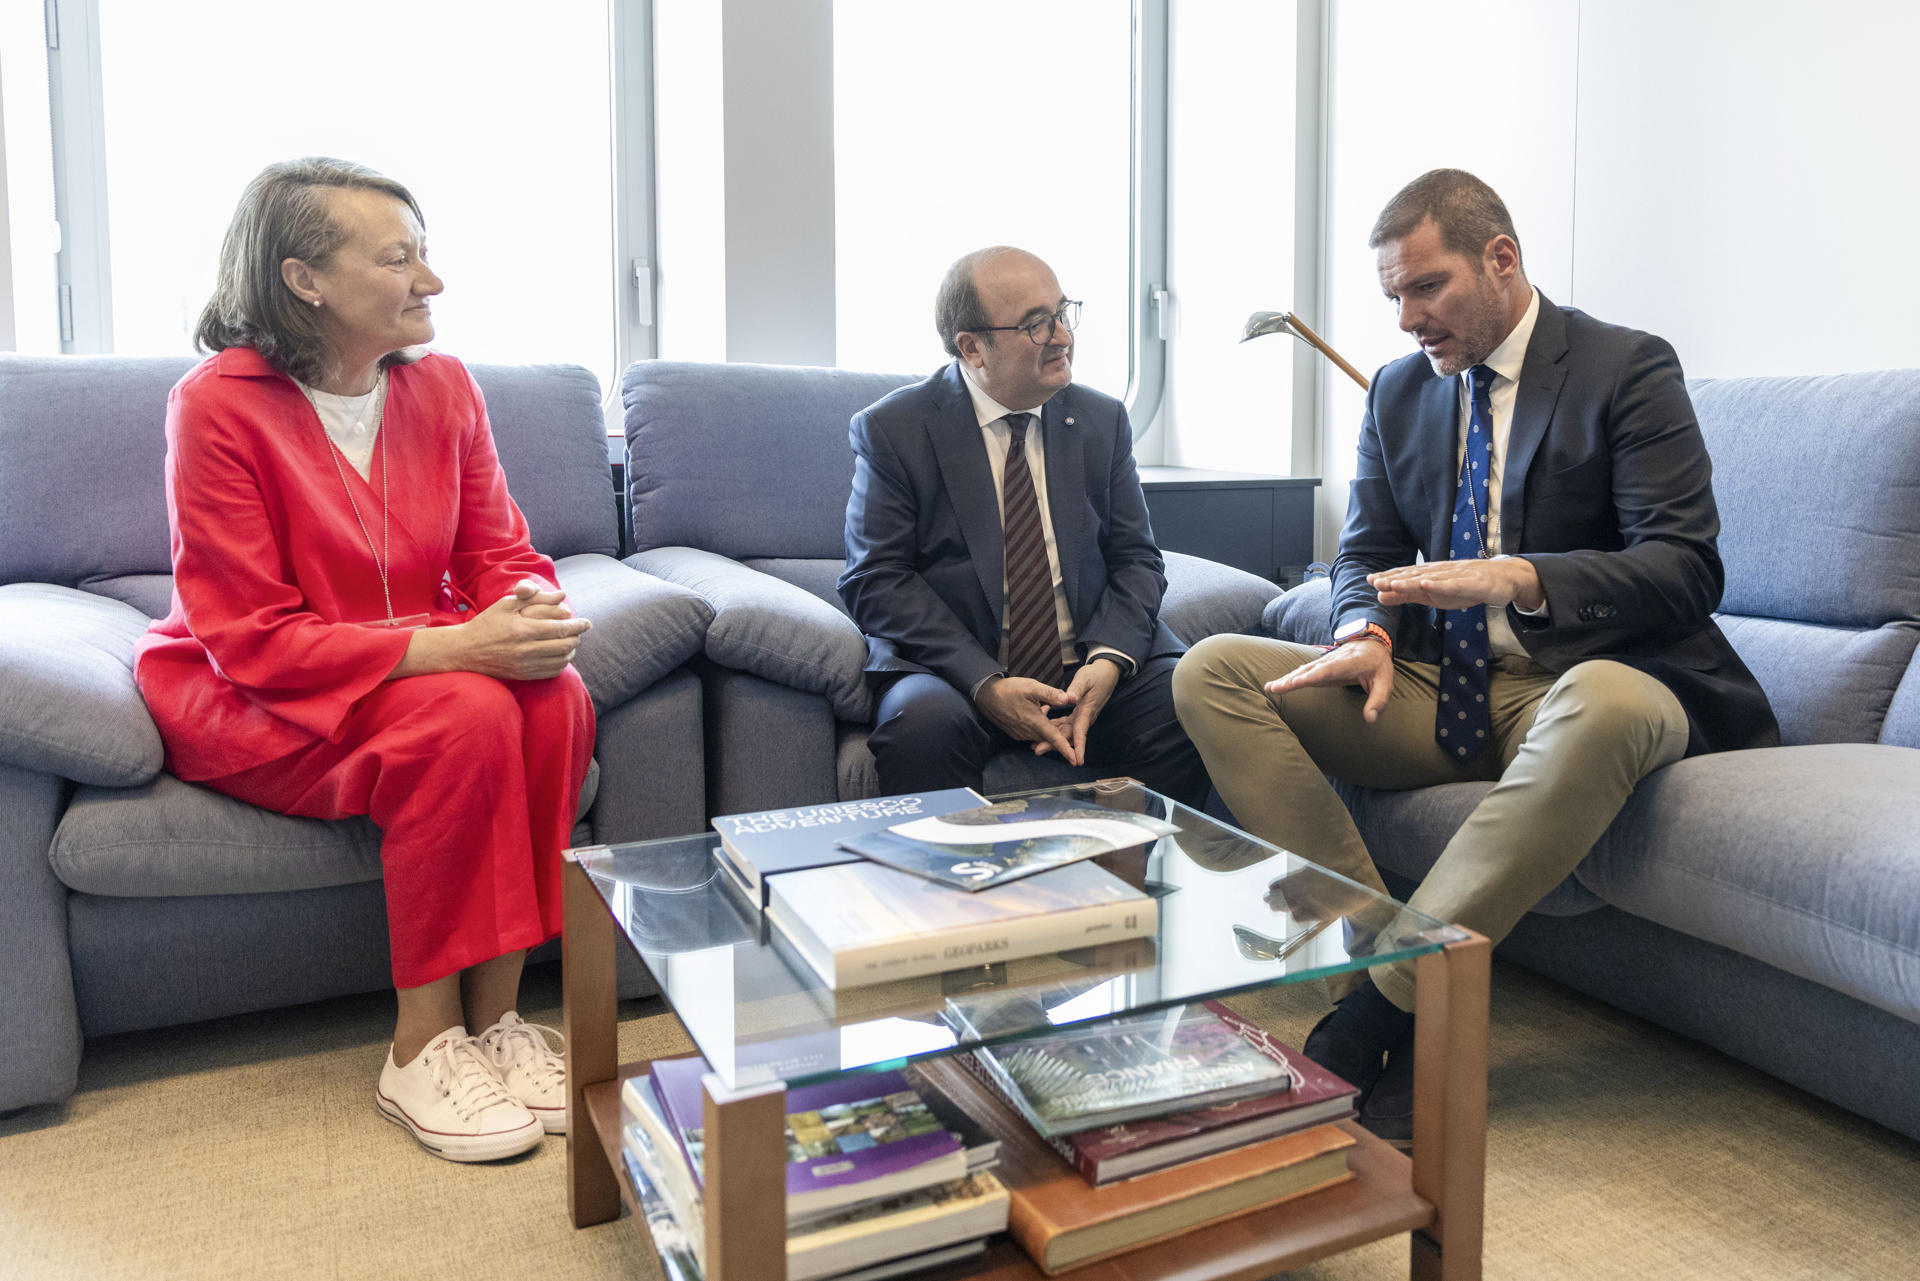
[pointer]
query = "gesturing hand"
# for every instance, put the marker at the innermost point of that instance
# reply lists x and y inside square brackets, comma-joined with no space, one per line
[528,636]
[1019,705]
[1366,663]
[1461,584]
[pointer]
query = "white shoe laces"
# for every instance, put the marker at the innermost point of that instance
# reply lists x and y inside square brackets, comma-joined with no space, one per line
[463,1074]
[514,1043]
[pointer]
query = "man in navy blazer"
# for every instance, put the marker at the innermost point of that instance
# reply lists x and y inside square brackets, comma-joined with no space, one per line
[1523,593]
[927,561]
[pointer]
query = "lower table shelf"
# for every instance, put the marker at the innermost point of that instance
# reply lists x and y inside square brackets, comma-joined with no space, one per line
[1379,1201]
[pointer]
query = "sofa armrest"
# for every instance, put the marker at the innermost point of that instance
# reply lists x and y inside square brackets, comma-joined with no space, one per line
[69,705]
[772,629]
[1205,598]
[643,627]
[1303,616]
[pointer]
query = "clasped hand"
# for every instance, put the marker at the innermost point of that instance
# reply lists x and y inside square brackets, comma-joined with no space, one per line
[1022,708]
[527,636]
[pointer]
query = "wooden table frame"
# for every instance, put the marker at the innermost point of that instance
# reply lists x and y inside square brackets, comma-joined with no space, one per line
[1438,1196]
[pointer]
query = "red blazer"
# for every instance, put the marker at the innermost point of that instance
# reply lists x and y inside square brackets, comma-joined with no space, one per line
[266,646]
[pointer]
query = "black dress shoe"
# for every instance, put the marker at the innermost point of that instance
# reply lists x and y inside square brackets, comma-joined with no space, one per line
[1388,1110]
[1352,1038]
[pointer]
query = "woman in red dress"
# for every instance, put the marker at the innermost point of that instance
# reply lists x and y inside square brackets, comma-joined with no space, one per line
[361,626]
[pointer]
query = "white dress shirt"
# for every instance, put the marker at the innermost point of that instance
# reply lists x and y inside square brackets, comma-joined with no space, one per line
[998,435]
[1505,362]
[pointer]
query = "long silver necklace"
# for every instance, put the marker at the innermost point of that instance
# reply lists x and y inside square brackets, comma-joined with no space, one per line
[381,556]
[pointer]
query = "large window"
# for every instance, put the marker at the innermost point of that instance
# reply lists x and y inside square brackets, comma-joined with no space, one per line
[495,113]
[1003,122]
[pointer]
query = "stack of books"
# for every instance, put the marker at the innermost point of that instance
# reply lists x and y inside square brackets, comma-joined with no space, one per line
[1120,1133]
[864,895]
[884,1176]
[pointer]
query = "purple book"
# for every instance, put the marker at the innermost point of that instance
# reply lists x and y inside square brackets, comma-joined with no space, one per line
[856,1138]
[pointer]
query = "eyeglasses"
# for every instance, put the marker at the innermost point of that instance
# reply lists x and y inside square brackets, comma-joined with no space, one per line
[1040,330]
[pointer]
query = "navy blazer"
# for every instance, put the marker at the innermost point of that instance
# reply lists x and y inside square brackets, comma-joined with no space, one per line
[1609,489]
[925,559]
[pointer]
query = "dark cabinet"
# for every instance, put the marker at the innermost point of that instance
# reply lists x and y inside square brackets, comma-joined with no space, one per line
[1262,524]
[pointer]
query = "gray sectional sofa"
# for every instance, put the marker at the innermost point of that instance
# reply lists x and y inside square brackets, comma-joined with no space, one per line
[129,899]
[738,482]
[1766,902]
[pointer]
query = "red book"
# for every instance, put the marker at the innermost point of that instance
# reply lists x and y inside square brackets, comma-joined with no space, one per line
[1138,1147]
[1062,1223]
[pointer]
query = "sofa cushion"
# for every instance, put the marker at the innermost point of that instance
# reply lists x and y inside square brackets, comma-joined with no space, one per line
[551,435]
[168,838]
[1802,857]
[772,629]
[1815,479]
[815,577]
[69,705]
[1902,727]
[1205,598]
[151,594]
[1826,684]
[643,627]
[1304,615]
[97,426]
[743,460]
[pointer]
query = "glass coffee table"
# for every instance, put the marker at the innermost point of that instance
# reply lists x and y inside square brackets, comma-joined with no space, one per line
[1236,914]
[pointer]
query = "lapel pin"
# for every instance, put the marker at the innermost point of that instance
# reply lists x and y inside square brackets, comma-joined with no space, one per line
[1069,422]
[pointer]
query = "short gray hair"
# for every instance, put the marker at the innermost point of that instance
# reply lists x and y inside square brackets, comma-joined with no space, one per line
[1467,211]
[283,214]
[957,306]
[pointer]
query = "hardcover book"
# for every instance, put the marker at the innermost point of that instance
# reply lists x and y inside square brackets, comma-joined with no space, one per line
[1090,1075]
[757,846]
[861,923]
[912,1224]
[1062,1223]
[850,1140]
[1315,1096]
[993,844]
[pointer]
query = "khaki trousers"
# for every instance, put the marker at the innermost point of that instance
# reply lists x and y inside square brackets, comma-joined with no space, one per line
[1567,752]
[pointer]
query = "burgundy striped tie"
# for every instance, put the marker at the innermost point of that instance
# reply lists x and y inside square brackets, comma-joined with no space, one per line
[1033,632]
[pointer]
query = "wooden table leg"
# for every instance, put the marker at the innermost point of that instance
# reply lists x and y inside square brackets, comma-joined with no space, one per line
[746,1168]
[1450,1108]
[589,1013]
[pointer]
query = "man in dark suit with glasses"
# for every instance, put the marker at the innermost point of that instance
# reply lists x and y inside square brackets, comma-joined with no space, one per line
[999,557]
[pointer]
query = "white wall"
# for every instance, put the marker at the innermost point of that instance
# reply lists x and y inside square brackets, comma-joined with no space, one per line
[1730,175]
[1485,86]
[1747,174]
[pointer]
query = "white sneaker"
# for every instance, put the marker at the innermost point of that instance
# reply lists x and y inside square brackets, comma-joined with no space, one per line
[451,1102]
[532,1072]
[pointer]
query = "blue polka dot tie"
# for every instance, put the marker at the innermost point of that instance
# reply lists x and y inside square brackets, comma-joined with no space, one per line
[1462,725]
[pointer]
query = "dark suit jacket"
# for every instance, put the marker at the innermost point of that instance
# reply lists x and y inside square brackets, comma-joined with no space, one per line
[1607,485]
[925,557]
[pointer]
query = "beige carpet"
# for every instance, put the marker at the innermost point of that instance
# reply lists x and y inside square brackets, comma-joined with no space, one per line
[250,1147]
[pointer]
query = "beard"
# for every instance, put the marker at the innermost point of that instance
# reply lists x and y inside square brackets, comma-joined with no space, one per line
[1480,331]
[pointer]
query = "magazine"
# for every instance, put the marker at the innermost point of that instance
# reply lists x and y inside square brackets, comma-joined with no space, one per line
[988,845]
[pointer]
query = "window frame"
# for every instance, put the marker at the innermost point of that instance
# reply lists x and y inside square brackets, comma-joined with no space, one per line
[84,260]
[84,267]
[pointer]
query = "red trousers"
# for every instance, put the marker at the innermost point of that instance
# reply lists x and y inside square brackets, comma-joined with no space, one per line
[474,783]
